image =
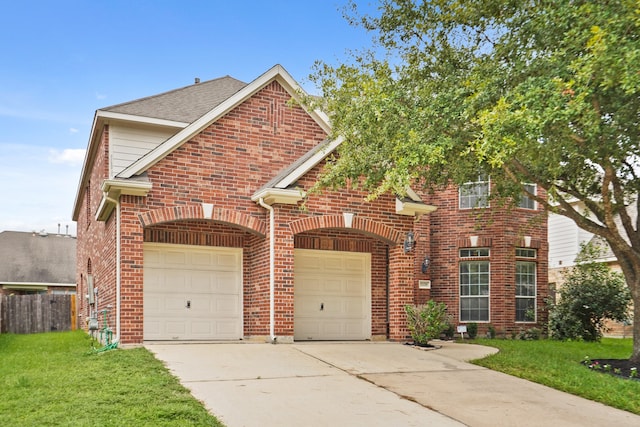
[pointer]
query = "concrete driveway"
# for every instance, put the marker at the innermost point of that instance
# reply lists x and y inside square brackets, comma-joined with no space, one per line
[372,384]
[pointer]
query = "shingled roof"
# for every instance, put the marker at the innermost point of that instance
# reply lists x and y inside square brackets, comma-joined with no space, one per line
[182,105]
[37,258]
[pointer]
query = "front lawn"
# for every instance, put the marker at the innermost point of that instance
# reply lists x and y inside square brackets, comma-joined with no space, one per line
[54,379]
[558,364]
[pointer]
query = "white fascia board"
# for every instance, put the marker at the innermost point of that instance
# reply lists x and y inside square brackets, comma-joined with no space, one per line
[277,72]
[272,196]
[129,188]
[413,195]
[88,162]
[109,115]
[112,189]
[311,162]
[413,209]
[107,205]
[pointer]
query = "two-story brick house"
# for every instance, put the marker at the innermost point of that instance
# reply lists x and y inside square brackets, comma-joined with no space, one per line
[191,227]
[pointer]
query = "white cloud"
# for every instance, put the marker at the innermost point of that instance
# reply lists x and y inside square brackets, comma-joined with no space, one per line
[41,190]
[70,156]
[73,130]
[100,96]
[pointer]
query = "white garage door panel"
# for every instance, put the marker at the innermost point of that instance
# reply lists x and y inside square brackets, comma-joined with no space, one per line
[192,293]
[332,295]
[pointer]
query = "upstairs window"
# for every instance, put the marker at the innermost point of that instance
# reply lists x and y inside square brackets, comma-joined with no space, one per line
[474,194]
[525,201]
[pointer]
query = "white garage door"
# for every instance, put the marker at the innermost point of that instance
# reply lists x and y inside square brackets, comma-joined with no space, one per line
[192,292]
[332,295]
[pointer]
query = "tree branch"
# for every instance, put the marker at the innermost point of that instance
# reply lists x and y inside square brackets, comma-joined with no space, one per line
[625,218]
[565,208]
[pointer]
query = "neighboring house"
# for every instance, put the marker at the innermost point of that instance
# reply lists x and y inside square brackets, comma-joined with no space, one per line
[565,241]
[37,262]
[191,227]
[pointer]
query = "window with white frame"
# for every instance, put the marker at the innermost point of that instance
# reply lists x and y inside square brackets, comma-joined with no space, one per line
[525,285]
[474,285]
[474,194]
[527,202]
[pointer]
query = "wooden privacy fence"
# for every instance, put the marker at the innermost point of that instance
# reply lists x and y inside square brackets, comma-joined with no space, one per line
[29,314]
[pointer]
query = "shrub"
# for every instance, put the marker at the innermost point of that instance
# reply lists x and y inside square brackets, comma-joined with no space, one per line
[491,331]
[590,294]
[472,330]
[427,321]
[531,334]
[450,330]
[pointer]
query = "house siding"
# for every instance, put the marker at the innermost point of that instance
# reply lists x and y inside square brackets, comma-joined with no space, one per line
[129,143]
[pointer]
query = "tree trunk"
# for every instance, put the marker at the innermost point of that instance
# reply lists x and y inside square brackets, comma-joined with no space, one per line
[630,264]
[635,355]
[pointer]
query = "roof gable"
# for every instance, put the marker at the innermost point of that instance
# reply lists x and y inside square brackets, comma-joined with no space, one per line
[277,73]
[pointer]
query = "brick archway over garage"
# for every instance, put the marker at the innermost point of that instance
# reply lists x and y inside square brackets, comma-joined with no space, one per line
[363,224]
[229,216]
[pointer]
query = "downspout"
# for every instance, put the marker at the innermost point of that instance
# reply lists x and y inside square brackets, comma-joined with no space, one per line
[272,273]
[116,202]
[118,269]
[388,321]
[118,272]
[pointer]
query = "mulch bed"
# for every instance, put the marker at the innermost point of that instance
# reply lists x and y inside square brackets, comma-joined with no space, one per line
[618,367]
[423,346]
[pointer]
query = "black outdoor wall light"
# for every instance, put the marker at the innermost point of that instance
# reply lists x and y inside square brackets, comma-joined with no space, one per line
[425,265]
[409,242]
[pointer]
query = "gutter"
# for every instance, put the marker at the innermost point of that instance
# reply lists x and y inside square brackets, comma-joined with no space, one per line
[272,273]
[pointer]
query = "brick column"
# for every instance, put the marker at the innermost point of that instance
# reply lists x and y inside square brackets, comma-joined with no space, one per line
[132,275]
[401,291]
[283,290]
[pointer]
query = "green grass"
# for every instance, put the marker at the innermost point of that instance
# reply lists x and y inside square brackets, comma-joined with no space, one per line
[557,365]
[54,379]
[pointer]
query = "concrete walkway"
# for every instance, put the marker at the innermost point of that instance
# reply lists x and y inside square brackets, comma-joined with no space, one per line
[372,384]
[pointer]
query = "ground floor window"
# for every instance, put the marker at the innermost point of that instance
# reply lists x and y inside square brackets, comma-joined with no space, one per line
[474,286]
[526,288]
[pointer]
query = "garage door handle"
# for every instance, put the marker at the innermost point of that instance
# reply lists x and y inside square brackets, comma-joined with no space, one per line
[188,304]
[321,306]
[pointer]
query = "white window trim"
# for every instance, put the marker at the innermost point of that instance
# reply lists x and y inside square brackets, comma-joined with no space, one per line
[535,203]
[461,297]
[535,297]
[470,183]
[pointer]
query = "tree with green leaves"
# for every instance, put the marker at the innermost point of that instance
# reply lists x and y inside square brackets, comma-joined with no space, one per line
[527,92]
[590,294]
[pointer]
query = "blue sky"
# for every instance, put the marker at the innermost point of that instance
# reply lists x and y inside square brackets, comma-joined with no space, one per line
[62,60]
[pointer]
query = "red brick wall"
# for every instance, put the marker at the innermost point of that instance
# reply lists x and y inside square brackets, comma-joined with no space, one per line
[502,231]
[96,245]
[232,158]
[228,162]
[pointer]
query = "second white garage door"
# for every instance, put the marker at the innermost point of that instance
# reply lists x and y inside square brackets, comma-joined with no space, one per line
[192,292]
[332,295]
